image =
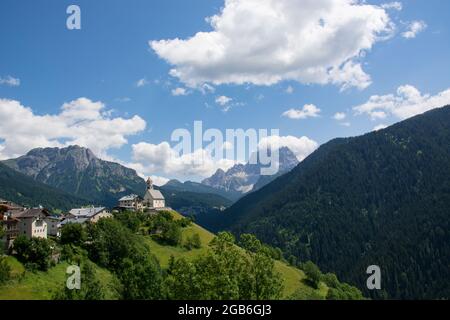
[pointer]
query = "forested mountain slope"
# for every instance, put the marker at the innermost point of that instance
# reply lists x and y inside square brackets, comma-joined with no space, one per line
[23,190]
[379,199]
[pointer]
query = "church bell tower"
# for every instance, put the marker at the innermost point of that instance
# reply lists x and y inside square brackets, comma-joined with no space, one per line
[149,184]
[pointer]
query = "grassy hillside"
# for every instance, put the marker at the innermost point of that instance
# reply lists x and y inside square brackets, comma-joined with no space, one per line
[27,285]
[38,285]
[293,277]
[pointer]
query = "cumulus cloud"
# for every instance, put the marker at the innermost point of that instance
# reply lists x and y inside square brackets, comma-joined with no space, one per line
[339,116]
[308,111]
[414,28]
[162,159]
[407,102]
[82,122]
[300,146]
[179,92]
[10,81]
[159,181]
[263,42]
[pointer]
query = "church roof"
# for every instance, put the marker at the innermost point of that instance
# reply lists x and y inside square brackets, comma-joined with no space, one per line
[156,194]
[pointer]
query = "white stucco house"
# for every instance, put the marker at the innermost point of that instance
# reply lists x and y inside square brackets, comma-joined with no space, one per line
[32,223]
[131,202]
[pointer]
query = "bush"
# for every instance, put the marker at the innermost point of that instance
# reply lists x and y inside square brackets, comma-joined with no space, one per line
[91,287]
[141,280]
[5,271]
[111,242]
[344,292]
[131,219]
[35,253]
[330,280]
[73,254]
[193,242]
[171,234]
[185,222]
[73,233]
[165,229]
[313,273]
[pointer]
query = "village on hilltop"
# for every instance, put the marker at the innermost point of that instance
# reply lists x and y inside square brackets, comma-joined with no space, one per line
[40,222]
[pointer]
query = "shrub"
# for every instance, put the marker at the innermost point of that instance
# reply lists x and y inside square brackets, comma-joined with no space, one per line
[185,222]
[5,270]
[73,233]
[313,273]
[193,242]
[35,253]
[91,287]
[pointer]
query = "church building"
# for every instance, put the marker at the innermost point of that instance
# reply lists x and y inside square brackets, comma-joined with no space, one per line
[153,199]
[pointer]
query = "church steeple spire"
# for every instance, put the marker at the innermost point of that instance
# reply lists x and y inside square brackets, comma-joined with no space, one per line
[149,184]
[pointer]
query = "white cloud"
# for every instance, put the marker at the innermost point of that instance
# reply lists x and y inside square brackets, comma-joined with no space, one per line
[179,92]
[414,28]
[223,100]
[393,5]
[82,122]
[376,115]
[263,42]
[159,181]
[308,111]
[301,147]
[407,102]
[289,90]
[141,82]
[162,159]
[380,127]
[10,81]
[339,116]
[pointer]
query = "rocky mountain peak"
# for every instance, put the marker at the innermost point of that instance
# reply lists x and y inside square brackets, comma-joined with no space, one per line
[242,177]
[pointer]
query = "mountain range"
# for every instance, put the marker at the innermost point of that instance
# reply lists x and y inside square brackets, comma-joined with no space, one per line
[23,190]
[75,176]
[244,178]
[78,171]
[378,199]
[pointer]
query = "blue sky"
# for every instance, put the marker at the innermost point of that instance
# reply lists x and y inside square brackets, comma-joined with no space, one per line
[106,58]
